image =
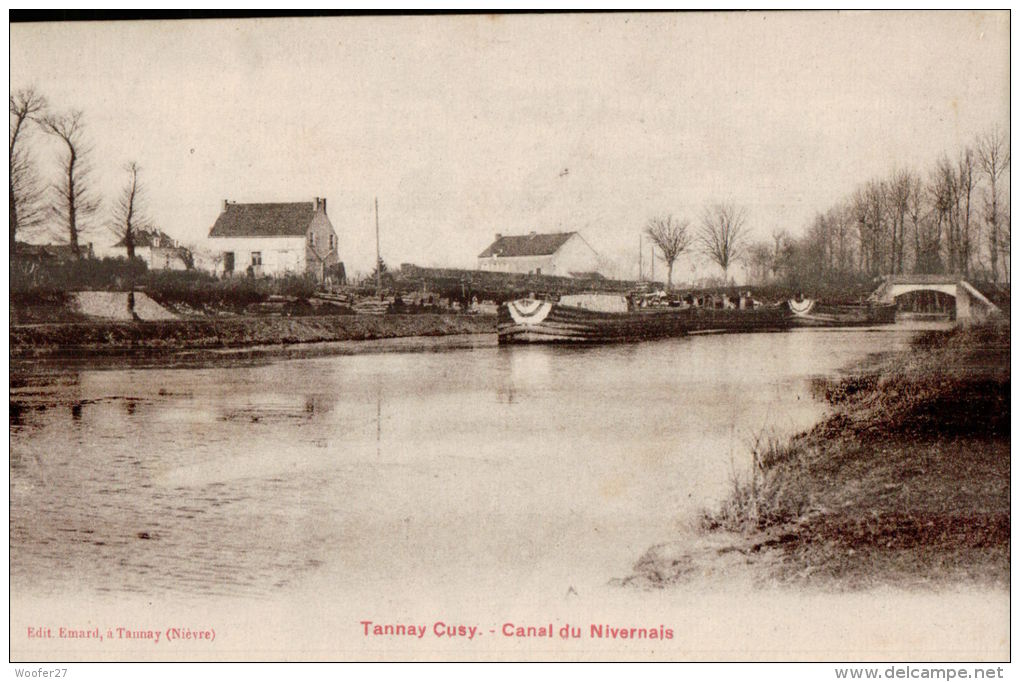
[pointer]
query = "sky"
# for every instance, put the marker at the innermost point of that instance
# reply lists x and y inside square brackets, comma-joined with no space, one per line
[467,126]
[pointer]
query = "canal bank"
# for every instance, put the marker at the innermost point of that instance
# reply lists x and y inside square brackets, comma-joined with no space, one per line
[159,337]
[906,483]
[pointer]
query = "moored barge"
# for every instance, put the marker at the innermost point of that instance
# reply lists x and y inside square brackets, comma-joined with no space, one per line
[810,313]
[604,319]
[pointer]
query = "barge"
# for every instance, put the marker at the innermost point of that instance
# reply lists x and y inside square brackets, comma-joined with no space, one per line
[810,313]
[590,318]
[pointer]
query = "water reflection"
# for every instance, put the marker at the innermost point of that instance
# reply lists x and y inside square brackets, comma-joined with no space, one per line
[245,480]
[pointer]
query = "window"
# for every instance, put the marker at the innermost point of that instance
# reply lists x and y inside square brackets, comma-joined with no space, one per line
[256,258]
[332,241]
[228,261]
[311,239]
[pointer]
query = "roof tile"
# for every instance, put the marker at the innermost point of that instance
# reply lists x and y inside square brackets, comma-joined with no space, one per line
[534,244]
[264,220]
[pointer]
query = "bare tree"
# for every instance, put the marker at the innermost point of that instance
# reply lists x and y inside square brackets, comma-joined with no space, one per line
[897,205]
[867,210]
[1005,242]
[26,208]
[965,190]
[128,214]
[927,231]
[943,191]
[75,202]
[760,262]
[722,236]
[858,209]
[840,220]
[951,188]
[672,236]
[875,193]
[938,219]
[993,160]
[780,245]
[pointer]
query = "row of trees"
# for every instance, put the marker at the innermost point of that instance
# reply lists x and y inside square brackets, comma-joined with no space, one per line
[69,203]
[953,219]
[720,236]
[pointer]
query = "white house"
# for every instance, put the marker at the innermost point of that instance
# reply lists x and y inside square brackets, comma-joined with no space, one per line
[275,239]
[565,254]
[159,250]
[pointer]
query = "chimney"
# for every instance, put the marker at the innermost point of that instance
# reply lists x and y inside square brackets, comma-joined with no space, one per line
[498,236]
[323,204]
[533,234]
[226,203]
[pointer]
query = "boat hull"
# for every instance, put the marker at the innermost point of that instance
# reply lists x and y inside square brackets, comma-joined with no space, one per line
[821,315]
[526,321]
[716,320]
[548,322]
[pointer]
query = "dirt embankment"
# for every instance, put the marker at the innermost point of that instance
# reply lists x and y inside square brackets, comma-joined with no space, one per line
[83,338]
[906,484]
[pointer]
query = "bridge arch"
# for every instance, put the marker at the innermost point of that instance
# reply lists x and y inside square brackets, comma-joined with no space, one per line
[898,290]
[970,303]
[927,300]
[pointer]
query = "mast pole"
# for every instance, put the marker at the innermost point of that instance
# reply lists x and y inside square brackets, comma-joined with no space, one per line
[378,257]
[640,257]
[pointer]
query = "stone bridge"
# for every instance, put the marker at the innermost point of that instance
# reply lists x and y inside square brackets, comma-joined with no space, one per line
[971,304]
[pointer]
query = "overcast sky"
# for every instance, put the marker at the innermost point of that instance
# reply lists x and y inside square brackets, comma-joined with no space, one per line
[468,126]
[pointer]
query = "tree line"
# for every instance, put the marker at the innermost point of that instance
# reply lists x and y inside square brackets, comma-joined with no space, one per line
[68,203]
[720,236]
[952,219]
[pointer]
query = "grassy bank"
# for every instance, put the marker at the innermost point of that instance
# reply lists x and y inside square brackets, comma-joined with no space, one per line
[76,339]
[906,483]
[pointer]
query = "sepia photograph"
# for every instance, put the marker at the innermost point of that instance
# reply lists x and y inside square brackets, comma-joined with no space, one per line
[561,337]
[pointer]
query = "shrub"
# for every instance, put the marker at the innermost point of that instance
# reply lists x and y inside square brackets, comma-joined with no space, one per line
[34,279]
[295,285]
[115,274]
[199,289]
[767,497]
[849,388]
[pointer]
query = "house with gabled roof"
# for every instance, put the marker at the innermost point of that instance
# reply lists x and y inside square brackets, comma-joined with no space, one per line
[564,254]
[276,239]
[159,250]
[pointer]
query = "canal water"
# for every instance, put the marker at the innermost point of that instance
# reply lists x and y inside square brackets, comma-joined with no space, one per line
[484,470]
